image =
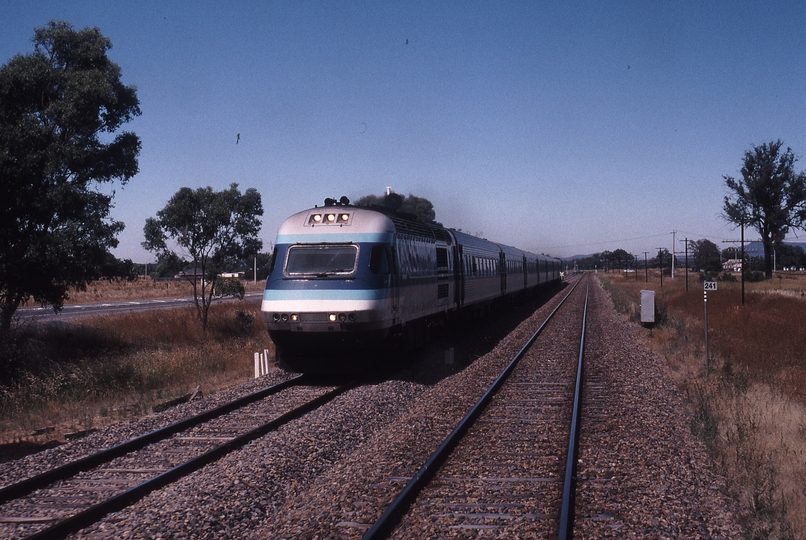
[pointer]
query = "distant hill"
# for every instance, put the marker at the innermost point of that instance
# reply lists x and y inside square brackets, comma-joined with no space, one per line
[756,249]
[753,249]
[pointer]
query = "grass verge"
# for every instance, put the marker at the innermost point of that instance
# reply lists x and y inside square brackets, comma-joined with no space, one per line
[65,378]
[750,410]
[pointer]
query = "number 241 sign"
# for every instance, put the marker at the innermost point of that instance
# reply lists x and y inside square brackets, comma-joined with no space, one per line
[710,286]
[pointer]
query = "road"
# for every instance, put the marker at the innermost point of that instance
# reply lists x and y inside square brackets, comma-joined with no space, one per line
[75,311]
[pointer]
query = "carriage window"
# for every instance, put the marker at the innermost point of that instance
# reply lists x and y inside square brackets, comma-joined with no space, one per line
[442,257]
[379,260]
[321,260]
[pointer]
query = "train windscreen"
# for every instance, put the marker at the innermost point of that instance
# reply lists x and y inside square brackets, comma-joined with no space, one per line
[321,260]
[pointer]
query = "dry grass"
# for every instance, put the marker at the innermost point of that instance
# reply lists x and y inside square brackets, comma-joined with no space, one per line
[81,376]
[142,288]
[751,410]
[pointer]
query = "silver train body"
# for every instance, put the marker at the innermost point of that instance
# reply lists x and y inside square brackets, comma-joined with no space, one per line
[347,280]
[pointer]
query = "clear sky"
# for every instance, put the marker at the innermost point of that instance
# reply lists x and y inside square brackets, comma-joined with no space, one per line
[561,127]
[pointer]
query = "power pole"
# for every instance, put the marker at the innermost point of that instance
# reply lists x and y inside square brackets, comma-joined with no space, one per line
[686,264]
[673,243]
[742,241]
[646,267]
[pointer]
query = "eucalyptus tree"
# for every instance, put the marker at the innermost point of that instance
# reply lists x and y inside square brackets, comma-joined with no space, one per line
[210,228]
[705,255]
[61,111]
[770,196]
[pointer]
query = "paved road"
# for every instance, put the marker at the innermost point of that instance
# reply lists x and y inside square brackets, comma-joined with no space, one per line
[75,311]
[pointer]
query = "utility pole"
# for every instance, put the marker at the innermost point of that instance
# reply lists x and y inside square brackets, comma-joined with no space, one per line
[673,243]
[660,265]
[742,241]
[686,264]
[646,267]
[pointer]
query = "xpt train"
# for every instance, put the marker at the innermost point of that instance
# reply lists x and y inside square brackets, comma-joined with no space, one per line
[347,280]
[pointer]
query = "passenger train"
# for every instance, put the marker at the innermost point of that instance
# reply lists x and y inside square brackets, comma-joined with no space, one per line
[348,280]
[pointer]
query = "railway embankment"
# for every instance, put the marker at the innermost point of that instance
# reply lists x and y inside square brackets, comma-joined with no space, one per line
[332,472]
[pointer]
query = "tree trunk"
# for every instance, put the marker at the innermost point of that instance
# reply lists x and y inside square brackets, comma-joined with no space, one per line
[8,309]
[768,250]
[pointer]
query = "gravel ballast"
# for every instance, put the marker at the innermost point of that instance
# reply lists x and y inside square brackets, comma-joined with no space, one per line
[332,473]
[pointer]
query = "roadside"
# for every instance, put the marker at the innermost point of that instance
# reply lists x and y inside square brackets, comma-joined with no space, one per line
[65,380]
[750,409]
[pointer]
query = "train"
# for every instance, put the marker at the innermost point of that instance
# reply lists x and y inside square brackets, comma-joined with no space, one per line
[349,281]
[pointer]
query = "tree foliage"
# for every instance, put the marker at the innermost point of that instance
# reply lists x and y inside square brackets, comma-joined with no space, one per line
[791,257]
[420,207]
[705,255]
[212,228]
[770,197]
[61,110]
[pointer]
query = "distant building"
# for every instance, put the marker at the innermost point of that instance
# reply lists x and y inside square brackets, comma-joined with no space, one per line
[190,273]
[732,265]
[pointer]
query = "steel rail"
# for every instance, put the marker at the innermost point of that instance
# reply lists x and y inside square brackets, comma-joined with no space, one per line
[383,527]
[569,486]
[25,487]
[95,513]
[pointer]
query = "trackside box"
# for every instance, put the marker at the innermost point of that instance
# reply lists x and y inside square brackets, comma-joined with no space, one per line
[648,307]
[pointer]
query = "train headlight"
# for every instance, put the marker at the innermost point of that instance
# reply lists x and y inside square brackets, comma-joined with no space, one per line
[331,218]
[284,317]
[332,317]
[342,317]
[316,218]
[344,218]
[294,317]
[276,317]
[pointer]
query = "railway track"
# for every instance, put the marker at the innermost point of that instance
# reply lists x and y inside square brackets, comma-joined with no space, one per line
[75,495]
[508,468]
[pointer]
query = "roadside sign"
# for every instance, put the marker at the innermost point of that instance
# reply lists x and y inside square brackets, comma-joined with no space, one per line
[707,286]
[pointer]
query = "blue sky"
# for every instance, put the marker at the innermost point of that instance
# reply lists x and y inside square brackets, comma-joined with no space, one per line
[559,127]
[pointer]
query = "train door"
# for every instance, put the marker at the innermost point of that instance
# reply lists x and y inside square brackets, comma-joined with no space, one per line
[394,285]
[458,276]
[525,273]
[502,268]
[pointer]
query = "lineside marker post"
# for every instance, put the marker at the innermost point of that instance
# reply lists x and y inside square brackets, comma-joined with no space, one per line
[707,286]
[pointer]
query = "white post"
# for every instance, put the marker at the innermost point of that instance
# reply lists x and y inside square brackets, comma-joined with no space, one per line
[257,365]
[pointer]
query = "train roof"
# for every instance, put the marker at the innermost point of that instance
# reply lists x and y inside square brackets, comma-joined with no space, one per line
[347,223]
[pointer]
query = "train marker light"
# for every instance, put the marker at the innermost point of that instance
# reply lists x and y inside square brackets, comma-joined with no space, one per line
[342,317]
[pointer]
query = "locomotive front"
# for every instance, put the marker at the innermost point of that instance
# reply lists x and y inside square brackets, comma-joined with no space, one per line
[329,297]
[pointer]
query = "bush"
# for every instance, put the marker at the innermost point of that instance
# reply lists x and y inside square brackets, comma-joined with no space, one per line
[754,277]
[244,321]
[229,287]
